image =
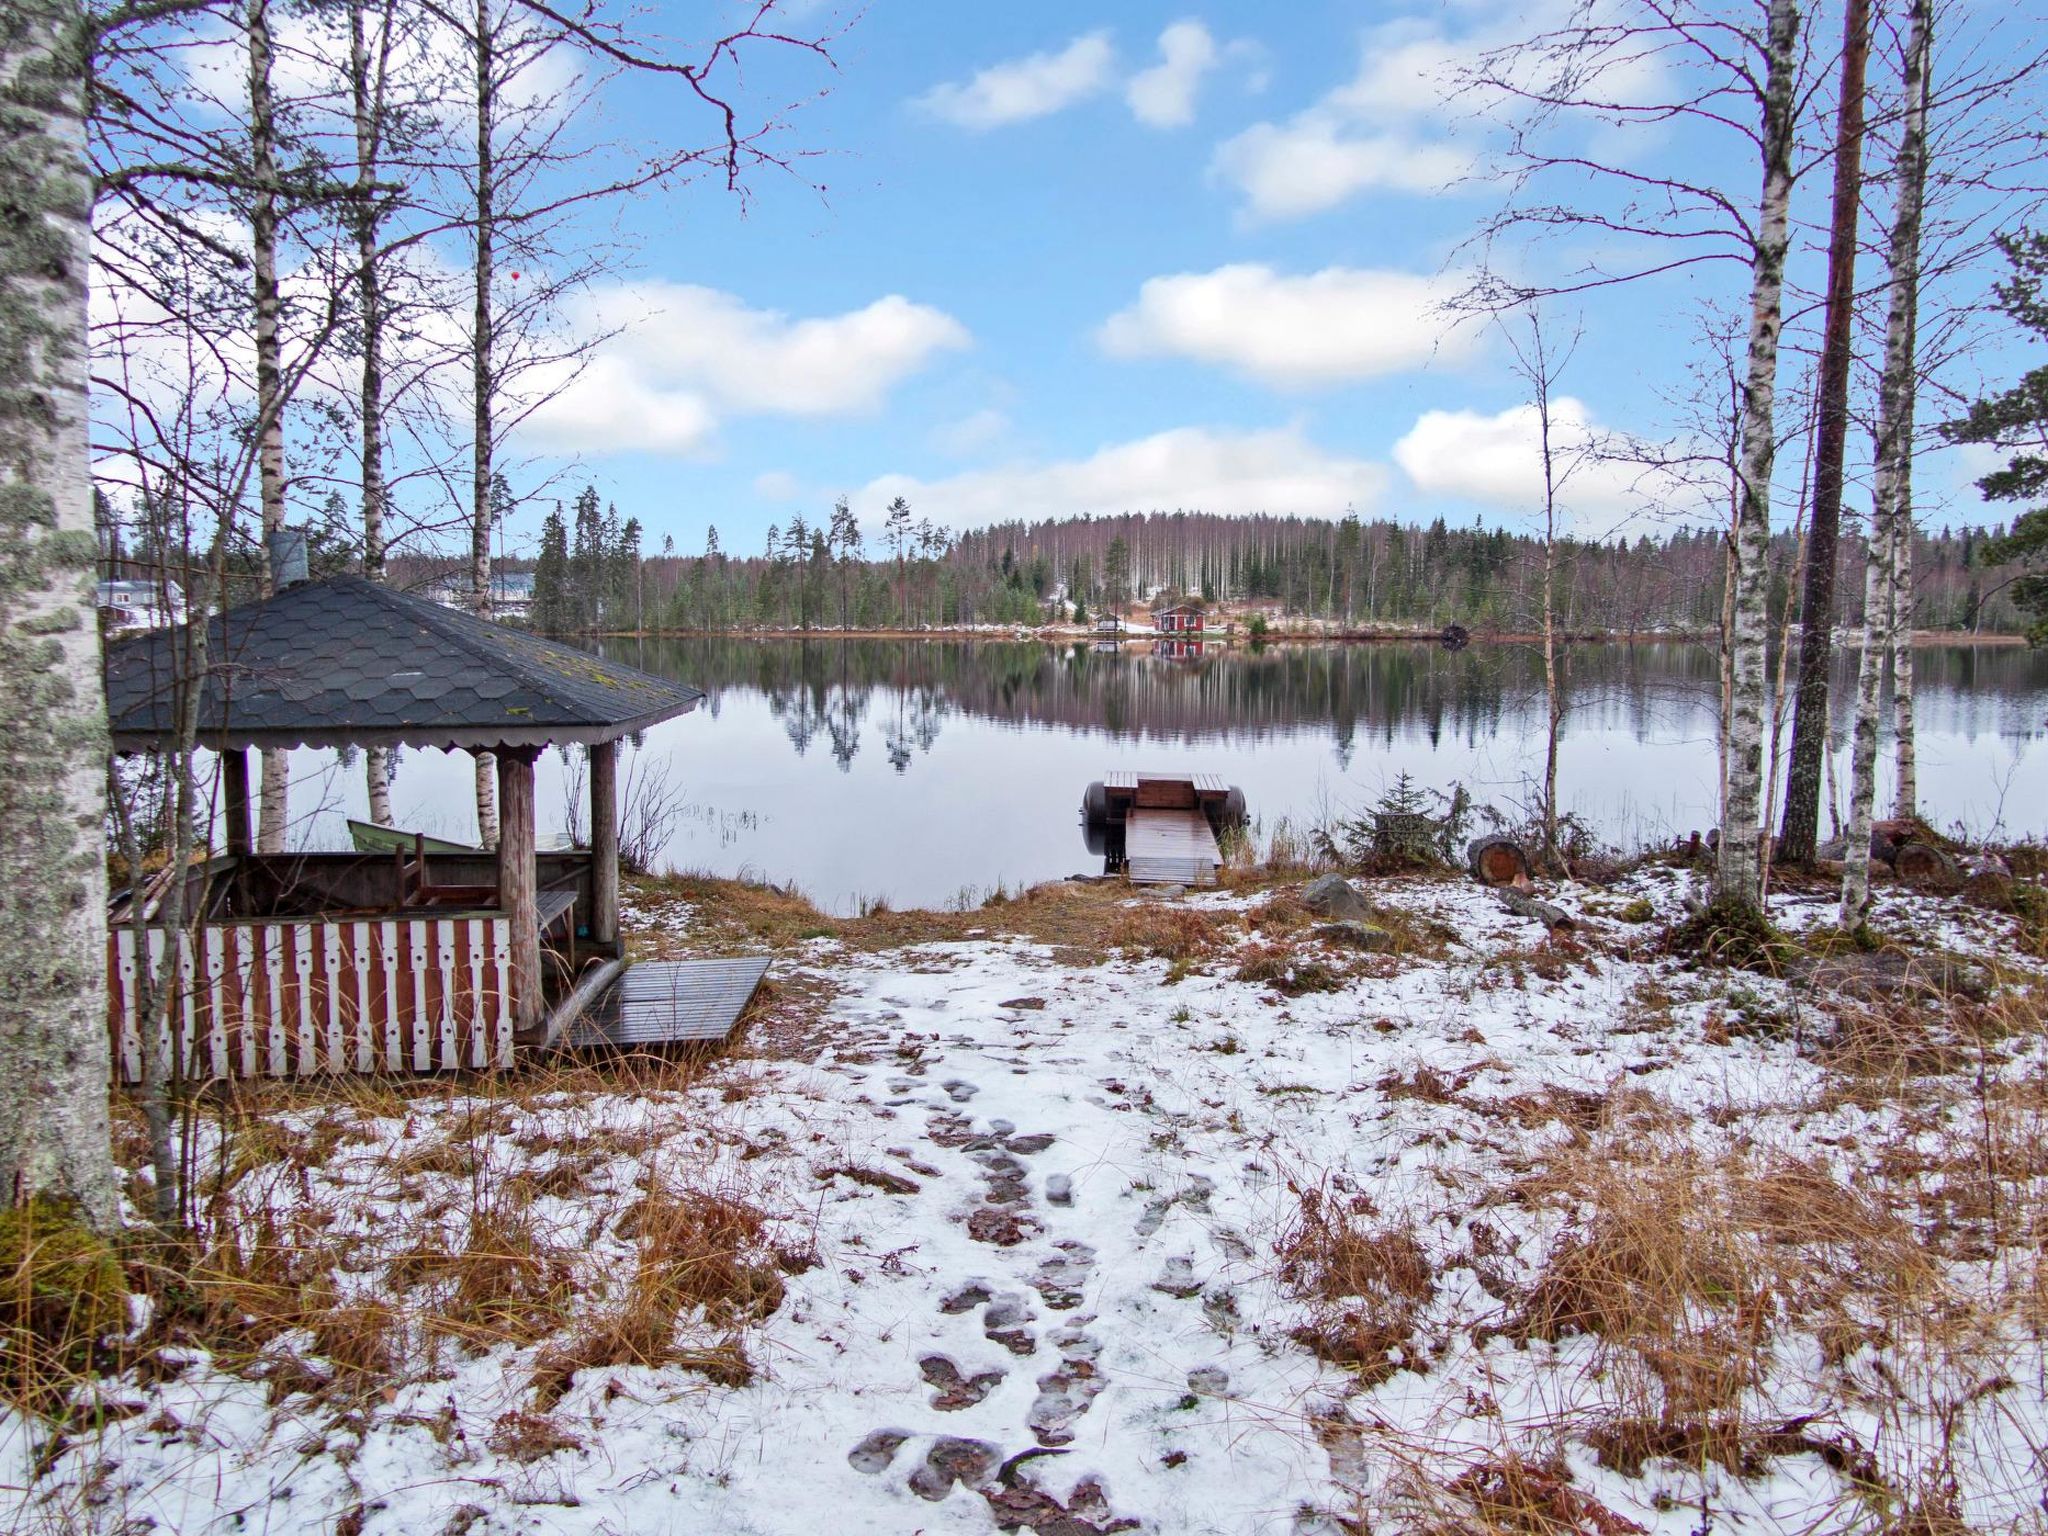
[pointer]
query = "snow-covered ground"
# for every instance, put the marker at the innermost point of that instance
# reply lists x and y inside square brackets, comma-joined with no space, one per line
[1048,1204]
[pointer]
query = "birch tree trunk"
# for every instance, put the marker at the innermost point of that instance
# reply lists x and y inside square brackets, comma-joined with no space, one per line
[1739,877]
[366,80]
[269,367]
[483,386]
[54,1058]
[1907,801]
[1881,588]
[1801,828]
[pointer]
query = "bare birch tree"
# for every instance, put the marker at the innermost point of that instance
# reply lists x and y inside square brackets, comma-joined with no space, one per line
[1540,365]
[263,237]
[1740,71]
[54,1140]
[368,71]
[1893,457]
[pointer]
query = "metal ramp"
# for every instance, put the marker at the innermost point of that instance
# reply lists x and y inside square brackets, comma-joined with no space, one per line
[668,1001]
[1170,847]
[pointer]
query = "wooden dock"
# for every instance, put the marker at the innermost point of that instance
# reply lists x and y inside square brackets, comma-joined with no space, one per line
[1161,828]
[1170,847]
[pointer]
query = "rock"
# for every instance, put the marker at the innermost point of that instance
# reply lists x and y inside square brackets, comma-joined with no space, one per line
[1169,890]
[1334,896]
[1031,1003]
[1541,911]
[1353,935]
[1059,1189]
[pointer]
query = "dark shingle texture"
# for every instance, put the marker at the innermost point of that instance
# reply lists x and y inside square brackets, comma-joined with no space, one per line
[329,663]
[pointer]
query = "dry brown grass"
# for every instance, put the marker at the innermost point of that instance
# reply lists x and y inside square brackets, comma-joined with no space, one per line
[1161,931]
[1367,1281]
[507,1281]
[528,1437]
[1509,1493]
[1687,1266]
[1288,970]
[701,1256]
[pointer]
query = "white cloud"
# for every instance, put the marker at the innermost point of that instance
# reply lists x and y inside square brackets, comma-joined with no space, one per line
[612,407]
[972,434]
[1386,129]
[1277,471]
[1021,89]
[1315,162]
[1498,460]
[674,356]
[1328,327]
[775,485]
[1164,95]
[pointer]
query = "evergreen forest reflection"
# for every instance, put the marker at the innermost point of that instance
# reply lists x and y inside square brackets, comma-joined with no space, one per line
[922,770]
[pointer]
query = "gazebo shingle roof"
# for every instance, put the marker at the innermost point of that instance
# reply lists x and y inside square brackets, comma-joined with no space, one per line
[346,662]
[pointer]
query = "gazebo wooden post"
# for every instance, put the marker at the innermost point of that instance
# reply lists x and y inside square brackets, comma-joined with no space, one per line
[234,795]
[604,842]
[517,893]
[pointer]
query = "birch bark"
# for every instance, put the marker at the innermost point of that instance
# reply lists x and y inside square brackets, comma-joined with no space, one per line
[366,83]
[483,385]
[1881,588]
[269,367]
[1907,794]
[54,1058]
[1739,877]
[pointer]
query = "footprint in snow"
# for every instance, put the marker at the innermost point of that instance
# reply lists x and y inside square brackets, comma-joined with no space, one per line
[1004,1320]
[951,1460]
[876,1450]
[1061,1279]
[1065,1392]
[953,1391]
[1177,1279]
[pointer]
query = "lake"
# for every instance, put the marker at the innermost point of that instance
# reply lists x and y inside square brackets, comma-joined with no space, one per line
[926,772]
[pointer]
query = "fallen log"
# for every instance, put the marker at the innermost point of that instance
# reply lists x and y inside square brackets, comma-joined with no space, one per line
[1523,905]
[1926,868]
[1497,860]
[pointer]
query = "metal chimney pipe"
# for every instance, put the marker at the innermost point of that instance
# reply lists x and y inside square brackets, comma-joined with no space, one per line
[286,550]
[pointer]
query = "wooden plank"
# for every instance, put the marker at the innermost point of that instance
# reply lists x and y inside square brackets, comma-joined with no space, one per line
[1164,847]
[656,1003]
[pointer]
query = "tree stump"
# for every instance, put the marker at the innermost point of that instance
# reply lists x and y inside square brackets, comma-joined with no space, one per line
[1497,860]
[1926,868]
[1888,837]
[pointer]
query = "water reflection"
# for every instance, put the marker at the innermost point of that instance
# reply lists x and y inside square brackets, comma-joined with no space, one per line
[833,689]
[928,771]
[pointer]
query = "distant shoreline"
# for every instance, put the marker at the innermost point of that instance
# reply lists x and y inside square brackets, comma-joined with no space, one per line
[1239,640]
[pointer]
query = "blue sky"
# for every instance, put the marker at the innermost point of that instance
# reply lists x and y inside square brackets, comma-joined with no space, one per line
[1070,258]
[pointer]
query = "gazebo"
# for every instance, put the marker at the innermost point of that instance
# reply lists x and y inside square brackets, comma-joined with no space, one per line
[400,960]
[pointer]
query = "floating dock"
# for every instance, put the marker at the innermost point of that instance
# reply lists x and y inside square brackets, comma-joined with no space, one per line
[1167,824]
